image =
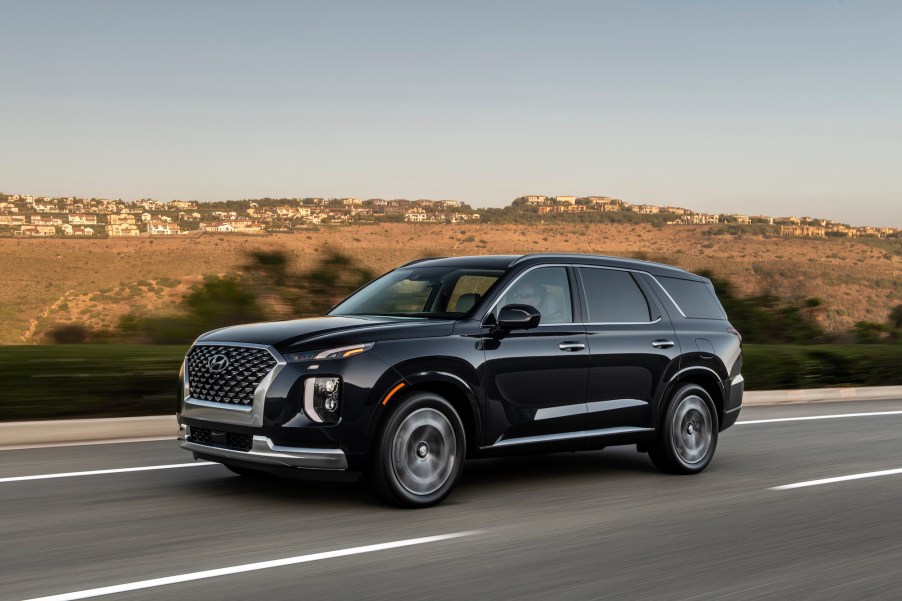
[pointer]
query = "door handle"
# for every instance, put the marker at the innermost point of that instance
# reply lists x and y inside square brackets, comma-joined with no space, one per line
[571,345]
[662,343]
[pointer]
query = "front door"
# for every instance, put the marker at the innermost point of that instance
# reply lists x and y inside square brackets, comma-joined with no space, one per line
[536,379]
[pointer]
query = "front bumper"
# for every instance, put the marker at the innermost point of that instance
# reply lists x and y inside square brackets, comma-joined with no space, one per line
[263,451]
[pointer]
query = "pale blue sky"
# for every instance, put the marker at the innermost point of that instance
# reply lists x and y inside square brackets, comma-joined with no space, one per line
[750,107]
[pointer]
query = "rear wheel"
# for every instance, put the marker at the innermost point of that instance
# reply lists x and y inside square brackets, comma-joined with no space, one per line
[688,434]
[419,452]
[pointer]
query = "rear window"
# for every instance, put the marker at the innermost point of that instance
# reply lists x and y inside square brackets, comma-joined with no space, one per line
[695,299]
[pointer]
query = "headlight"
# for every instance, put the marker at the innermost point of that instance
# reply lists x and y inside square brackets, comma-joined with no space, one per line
[342,352]
[322,399]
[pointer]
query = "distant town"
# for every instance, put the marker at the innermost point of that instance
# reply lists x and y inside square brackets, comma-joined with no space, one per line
[31,216]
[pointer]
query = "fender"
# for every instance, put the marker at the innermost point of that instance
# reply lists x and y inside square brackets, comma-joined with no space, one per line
[420,378]
[680,375]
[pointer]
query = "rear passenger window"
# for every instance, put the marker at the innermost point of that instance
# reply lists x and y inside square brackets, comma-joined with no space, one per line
[695,299]
[613,296]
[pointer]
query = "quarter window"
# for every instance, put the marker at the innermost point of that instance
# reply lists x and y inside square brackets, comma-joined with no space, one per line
[696,299]
[613,296]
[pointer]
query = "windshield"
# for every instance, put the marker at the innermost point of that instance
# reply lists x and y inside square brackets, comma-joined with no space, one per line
[436,292]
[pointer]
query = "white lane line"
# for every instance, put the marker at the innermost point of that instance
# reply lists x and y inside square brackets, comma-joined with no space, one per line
[101,472]
[86,443]
[811,417]
[837,479]
[262,565]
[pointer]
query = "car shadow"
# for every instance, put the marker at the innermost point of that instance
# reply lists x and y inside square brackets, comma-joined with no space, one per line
[558,466]
[479,474]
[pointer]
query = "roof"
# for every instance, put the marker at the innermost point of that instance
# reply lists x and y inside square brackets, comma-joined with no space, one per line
[507,261]
[479,261]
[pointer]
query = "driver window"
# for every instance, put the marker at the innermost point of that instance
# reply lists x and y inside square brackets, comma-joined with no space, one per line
[547,290]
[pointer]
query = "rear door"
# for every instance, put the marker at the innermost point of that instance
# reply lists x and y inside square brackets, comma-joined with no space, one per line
[633,350]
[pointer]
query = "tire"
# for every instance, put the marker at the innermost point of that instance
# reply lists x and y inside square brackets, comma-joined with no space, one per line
[418,454]
[687,438]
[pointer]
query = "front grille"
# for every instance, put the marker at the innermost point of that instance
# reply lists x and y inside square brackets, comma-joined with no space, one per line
[227,374]
[229,440]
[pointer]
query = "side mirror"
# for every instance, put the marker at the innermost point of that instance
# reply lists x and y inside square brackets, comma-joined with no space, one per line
[518,317]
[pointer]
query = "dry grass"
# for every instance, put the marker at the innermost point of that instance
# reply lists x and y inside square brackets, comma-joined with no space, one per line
[45,282]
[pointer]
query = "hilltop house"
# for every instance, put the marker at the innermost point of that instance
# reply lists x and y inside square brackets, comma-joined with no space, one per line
[123,229]
[77,230]
[81,219]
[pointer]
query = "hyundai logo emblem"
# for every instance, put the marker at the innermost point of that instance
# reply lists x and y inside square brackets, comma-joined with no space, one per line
[217,363]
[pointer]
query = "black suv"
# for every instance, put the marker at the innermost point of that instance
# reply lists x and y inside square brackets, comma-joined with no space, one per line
[451,358]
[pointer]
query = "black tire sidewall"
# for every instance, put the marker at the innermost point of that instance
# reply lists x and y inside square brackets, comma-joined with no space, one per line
[665,449]
[382,475]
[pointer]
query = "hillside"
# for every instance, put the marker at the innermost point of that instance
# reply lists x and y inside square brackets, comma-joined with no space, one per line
[50,281]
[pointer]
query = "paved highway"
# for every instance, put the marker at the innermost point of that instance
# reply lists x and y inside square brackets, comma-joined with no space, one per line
[600,525]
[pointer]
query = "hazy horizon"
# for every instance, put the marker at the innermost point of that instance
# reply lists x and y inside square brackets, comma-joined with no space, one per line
[776,108]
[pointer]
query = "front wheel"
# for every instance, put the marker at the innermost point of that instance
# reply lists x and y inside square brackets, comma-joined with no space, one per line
[419,452]
[688,435]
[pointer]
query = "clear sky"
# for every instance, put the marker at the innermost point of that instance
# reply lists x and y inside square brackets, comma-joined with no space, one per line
[781,108]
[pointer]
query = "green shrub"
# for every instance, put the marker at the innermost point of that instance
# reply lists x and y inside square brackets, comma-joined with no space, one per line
[118,380]
[88,380]
[775,367]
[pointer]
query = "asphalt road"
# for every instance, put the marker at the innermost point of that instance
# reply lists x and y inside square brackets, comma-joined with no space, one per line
[600,525]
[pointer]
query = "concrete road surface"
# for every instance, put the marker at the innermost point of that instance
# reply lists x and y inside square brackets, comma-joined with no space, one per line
[767,520]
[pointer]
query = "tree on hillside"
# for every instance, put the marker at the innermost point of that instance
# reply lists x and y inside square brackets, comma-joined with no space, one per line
[267,289]
[308,293]
[768,319]
[895,317]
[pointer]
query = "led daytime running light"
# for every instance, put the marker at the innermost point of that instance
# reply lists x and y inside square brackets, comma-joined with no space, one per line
[342,352]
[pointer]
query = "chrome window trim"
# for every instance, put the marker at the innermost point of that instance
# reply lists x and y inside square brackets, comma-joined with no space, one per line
[586,323]
[514,283]
[661,286]
[621,323]
[241,415]
[611,323]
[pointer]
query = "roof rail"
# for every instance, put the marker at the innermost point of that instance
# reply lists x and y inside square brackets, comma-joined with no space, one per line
[538,255]
[415,261]
[584,255]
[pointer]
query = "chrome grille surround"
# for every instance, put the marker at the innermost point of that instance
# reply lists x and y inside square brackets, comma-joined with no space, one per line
[231,380]
[224,412]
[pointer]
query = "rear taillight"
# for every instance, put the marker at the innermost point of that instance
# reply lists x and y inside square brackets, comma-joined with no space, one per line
[736,333]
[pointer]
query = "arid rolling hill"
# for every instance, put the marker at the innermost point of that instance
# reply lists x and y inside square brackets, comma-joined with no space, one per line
[51,281]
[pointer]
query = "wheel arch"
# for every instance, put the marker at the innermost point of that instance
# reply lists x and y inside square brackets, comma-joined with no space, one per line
[704,377]
[450,387]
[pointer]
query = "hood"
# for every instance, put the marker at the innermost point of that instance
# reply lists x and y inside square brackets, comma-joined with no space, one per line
[319,332]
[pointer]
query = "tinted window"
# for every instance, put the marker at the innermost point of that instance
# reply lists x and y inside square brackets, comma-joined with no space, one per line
[547,289]
[696,299]
[613,296]
[468,291]
[439,292]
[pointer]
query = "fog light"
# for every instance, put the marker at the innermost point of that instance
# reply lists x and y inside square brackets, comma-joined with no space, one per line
[322,399]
